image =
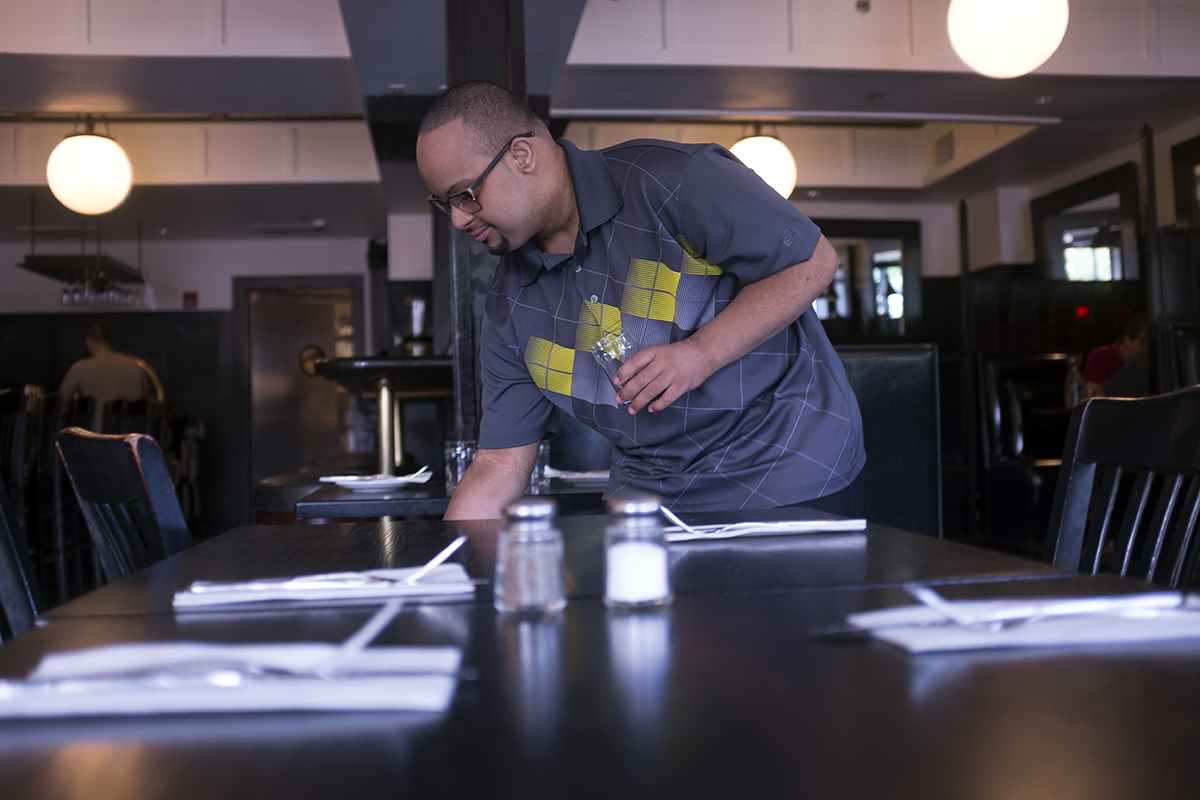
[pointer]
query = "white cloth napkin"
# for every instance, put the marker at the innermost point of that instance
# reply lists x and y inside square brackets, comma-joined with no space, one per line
[445,582]
[1045,622]
[593,476]
[783,528]
[194,677]
[380,481]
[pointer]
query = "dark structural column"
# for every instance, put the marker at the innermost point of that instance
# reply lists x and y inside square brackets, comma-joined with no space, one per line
[485,40]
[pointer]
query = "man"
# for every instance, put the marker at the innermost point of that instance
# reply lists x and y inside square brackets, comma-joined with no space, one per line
[1127,358]
[737,399]
[105,375]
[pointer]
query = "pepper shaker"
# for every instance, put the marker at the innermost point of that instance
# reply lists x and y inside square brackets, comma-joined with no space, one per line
[529,560]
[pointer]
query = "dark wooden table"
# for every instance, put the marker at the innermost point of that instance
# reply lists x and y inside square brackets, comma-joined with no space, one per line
[426,500]
[723,695]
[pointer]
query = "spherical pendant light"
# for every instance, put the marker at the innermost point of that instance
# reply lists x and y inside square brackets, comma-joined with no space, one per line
[771,159]
[1006,38]
[89,173]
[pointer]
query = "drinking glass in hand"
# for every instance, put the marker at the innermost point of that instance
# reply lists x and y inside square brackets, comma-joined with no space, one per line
[612,350]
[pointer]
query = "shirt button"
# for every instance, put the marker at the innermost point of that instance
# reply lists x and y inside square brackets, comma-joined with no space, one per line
[594,298]
[579,267]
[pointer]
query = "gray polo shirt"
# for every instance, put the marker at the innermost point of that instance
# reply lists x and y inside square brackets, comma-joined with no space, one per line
[668,232]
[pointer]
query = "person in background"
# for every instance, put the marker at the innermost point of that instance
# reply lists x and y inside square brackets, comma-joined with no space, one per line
[737,399]
[105,375]
[1127,353]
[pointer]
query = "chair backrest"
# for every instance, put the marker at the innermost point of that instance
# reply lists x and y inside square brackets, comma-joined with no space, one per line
[126,496]
[132,416]
[1128,493]
[897,391]
[13,455]
[20,597]
[1022,410]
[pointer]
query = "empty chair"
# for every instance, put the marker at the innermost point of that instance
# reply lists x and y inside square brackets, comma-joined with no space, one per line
[20,599]
[126,496]
[897,391]
[1128,495]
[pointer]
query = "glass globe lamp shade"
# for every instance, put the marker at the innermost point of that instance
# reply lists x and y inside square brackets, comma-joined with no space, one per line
[89,174]
[1006,38]
[771,159]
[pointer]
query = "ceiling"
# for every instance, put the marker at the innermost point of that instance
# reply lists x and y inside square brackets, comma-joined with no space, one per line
[1085,117]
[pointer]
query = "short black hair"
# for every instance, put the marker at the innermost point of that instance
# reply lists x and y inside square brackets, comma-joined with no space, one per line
[1135,327]
[491,115]
[100,333]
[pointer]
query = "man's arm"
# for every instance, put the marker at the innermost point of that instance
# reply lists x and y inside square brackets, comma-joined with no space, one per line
[759,311]
[70,384]
[494,479]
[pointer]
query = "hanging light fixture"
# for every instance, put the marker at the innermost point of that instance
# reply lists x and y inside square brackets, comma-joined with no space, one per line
[1006,38]
[770,158]
[89,172]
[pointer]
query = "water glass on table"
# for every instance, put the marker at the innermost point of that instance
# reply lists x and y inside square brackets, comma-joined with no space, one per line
[539,481]
[459,455]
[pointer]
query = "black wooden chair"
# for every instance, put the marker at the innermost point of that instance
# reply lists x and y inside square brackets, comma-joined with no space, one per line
[897,391]
[14,452]
[1128,495]
[126,496]
[20,597]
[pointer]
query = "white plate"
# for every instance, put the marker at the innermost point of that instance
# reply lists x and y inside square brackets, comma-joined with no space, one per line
[374,482]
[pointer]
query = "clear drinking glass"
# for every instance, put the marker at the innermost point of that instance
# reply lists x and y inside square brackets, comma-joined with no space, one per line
[459,455]
[612,350]
[637,570]
[539,481]
[529,560]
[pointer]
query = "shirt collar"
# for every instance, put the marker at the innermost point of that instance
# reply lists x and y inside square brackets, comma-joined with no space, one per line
[596,199]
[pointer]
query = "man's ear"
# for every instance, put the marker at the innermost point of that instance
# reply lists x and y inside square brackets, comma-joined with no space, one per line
[524,154]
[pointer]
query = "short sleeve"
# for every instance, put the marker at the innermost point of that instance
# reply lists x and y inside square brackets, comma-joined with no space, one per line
[515,412]
[734,220]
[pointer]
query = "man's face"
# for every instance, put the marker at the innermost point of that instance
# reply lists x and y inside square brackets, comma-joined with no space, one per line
[448,165]
[1129,347]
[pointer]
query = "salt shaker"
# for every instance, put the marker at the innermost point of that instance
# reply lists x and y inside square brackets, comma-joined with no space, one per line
[529,560]
[637,571]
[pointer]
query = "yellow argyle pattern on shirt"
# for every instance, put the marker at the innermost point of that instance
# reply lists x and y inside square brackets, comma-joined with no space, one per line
[651,291]
[550,365]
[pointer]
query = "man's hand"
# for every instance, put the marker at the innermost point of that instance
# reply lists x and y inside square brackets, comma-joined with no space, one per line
[494,479]
[665,372]
[759,311]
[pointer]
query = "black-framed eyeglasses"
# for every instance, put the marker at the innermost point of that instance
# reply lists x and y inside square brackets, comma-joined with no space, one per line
[466,200]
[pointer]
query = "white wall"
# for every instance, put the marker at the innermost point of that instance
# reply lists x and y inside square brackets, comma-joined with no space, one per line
[1104,37]
[939,227]
[998,227]
[204,267]
[410,246]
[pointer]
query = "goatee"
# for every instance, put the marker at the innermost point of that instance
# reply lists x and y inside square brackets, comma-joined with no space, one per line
[503,246]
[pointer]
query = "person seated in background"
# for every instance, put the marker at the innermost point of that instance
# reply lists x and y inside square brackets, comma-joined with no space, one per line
[105,375]
[1127,356]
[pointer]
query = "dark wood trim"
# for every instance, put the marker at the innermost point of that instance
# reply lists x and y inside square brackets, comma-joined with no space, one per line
[1123,180]
[909,233]
[1184,158]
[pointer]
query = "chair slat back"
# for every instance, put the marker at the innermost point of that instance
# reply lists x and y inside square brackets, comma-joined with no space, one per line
[1128,496]
[125,493]
[20,596]
[13,455]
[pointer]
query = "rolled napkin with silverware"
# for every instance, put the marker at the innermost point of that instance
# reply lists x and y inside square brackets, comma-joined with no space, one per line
[683,532]
[434,580]
[200,677]
[939,625]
